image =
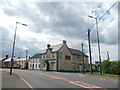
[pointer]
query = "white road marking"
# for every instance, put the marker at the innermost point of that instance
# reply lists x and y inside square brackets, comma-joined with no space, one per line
[90,84]
[26,82]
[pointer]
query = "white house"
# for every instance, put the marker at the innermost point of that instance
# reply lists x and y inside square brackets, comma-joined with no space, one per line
[34,62]
[20,63]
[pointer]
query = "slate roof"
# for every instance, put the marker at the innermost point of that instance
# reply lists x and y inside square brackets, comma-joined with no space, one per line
[36,55]
[56,47]
[76,52]
[9,59]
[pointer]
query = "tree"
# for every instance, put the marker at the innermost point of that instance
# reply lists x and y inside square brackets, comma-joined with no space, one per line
[118,68]
[106,66]
[113,67]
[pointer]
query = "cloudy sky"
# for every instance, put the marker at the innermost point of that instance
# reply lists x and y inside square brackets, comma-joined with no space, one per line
[52,22]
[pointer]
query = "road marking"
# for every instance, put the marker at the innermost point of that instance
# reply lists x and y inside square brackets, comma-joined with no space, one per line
[26,82]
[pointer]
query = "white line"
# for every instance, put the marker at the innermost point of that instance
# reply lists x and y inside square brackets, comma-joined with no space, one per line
[90,84]
[26,82]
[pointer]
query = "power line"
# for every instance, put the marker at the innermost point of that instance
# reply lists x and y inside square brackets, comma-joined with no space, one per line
[105,13]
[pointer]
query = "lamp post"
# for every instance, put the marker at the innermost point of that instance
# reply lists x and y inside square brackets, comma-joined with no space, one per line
[12,59]
[98,43]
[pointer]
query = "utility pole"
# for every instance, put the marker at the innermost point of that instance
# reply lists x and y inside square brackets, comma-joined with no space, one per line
[108,55]
[90,51]
[83,60]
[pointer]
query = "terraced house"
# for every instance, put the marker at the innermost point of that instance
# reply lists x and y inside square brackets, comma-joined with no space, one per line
[62,58]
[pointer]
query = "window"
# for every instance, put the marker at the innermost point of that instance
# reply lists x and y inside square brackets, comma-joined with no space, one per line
[60,55]
[36,60]
[53,55]
[52,65]
[81,58]
[36,65]
[33,60]
[67,57]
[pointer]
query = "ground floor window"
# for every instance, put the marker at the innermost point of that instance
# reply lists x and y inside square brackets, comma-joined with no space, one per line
[52,65]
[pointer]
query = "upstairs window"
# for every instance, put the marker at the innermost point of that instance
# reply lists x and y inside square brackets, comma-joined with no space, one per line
[67,57]
[53,55]
[60,55]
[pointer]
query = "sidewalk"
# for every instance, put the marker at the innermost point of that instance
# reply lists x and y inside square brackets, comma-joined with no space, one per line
[12,81]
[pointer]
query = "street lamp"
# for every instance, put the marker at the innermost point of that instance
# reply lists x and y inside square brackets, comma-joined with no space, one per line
[98,42]
[12,59]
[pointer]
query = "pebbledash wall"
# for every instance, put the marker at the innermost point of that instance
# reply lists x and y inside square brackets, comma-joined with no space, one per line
[59,58]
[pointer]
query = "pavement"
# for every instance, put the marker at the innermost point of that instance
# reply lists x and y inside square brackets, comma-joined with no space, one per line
[12,81]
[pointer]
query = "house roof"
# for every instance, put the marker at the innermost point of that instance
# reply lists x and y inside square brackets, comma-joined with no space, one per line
[21,59]
[54,48]
[36,55]
[9,59]
[76,52]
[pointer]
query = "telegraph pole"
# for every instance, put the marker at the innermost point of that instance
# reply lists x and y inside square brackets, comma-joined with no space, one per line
[90,51]
[108,55]
[83,60]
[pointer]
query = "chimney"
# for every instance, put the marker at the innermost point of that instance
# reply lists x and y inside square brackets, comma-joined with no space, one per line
[64,42]
[6,56]
[48,46]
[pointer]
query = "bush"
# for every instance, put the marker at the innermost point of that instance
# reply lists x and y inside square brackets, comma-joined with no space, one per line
[106,66]
[111,67]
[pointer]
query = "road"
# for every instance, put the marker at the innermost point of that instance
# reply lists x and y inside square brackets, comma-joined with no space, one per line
[43,79]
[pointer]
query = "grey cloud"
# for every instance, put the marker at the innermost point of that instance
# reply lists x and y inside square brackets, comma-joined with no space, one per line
[66,19]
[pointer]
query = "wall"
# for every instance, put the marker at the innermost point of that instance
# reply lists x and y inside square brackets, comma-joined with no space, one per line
[34,63]
[72,64]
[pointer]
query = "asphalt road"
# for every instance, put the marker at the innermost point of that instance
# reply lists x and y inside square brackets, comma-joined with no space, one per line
[43,79]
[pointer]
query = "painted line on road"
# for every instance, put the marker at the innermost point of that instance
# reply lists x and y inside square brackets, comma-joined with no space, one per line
[26,82]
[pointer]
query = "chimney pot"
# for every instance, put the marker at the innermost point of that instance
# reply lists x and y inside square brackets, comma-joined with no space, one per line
[64,42]
[48,46]
[6,56]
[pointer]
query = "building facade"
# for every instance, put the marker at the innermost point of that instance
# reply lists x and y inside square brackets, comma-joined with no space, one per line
[60,58]
[20,63]
[34,62]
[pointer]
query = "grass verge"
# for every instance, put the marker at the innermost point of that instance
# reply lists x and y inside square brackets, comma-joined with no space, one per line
[108,75]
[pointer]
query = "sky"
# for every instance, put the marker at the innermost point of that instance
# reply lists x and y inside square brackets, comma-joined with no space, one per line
[53,22]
